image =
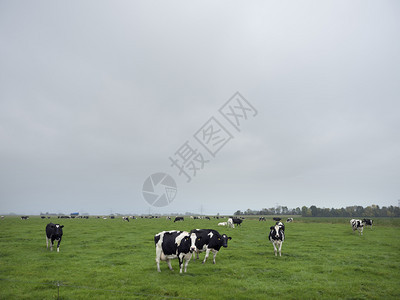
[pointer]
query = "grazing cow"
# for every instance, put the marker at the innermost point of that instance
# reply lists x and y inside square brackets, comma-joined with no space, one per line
[289,220]
[179,219]
[277,219]
[223,224]
[125,219]
[174,244]
[277,236]
[262,219]
[209,240]
[357,225]
[237,221]
[368,222]
[53,232]
[24,217]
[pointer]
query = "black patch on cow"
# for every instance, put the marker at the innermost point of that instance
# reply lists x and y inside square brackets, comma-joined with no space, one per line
[184,246]
[156,238]
[169,245]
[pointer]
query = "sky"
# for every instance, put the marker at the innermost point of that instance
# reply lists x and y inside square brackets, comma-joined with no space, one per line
[105,106]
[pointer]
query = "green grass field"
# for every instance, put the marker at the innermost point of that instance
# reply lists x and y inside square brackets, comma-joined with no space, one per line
[113,259]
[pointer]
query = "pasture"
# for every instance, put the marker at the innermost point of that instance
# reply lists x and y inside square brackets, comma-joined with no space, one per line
[113,259]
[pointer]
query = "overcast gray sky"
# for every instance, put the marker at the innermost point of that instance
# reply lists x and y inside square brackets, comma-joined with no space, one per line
[95,96]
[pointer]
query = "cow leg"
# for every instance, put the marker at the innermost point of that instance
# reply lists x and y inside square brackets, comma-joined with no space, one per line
[51,244]
[47,242]
[180,258]
[169,264]
[196,253]
[215,254]
[205,257]
[275,250]
[58,245]
[186,263]
[280,248]
[158,258]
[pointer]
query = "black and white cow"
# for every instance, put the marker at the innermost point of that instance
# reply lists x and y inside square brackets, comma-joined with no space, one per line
[24,217]
[179,219]
[125,219]
[262,219]
[368,222]
[357,225]
[277,219]
[54,232]
[277,236]
[237,222]
[174,244]
[209,240]
[289,220]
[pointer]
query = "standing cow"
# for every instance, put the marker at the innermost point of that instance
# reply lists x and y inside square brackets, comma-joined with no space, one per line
[179,219]
[209,240]
[54,232]
[233,221]
[368,222]
[174,244]
[357,225]
[277,236]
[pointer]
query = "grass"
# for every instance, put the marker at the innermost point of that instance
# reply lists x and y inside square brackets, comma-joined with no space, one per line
[111,259]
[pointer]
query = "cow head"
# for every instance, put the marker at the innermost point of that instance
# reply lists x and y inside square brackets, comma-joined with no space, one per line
[275,230]
[193,237]
[58,229]
[224,238]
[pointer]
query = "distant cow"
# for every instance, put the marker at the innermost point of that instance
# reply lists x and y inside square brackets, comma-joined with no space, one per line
[237,221]
[174,244]
[277,236]
[368,222]
[357,225]
[230,223]
[222,223]
[262,219]
[277,219]
[209,240]
[125,219]
[24,217]
[289,220]
[54,232]
[178,219]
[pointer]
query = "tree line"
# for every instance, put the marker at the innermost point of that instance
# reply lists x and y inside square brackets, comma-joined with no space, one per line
[313,211]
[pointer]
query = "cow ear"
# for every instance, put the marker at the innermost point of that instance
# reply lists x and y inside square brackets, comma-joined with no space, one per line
[229,238]
[272,227]
[62,226]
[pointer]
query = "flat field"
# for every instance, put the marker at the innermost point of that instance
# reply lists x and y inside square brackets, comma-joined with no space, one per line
[113,259]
